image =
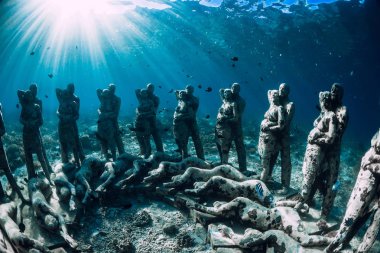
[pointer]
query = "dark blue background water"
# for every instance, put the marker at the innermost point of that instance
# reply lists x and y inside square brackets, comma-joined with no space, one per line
[193,44]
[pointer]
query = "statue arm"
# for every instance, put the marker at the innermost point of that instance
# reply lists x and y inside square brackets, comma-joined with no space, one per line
[329,136]
[290,114]
[221,94]
[235,112]
[280,120]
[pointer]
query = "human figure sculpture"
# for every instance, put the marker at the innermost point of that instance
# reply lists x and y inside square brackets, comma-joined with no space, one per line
[273,238]
[71,96]
[31,119]
[116,103]
[262,218]
[270,130]
[68,114]
[166,169]
[320,139]
[237,129]
[364,201]
[141,167]
[153,121]
[251,189]
[144,114]
[46,216]
[284,137]
[192,121]
[332,160]
[227,115]
[64,183]
[195,174]
[90,171]
[20,241]
[34,89]
[106,125]
[117,168]
[4,165]
[183,115]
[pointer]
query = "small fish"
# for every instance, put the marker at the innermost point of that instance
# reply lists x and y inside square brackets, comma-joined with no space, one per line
[46,96]
[76,47]
[260,64]
[200,86]
[189,76]
[233,65]
[32,53]
[17,106]
[166,129]
[209,89]
[47,48]
[50,75]
[352,73]
[171,91]
[261,78]
[235,58]
[159,86]
[207,116]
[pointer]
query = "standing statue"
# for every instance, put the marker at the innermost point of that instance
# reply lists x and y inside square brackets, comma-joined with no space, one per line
[153,121]
[144,114]
[270,130]
[320,140]
[332,160]
[67,114]
[192,122]
[4,166]
[237,129]
[284,138]
[182,117]
[34,89]
[71,96]
[108,126]
[228,114]
[31,119]
[363,202]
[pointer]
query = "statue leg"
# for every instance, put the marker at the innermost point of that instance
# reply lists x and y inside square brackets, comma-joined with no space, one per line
[286,165]
[370,236]
[78,143]
[156,135]
[195,136]
[240,148]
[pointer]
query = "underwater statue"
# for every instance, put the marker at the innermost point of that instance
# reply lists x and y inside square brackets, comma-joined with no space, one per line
[181,119]
[4,166]
[34,89]
[262,218]
[237,129]
[196,174]
[31,119]
[320,140]
[121,167]
[141,167]
[68,114]
[270,130]
[108,126]
[153,121]
[332,160]
[71,95]
[227,188]
[145,111]
[46,216]
[166,169]
[20,241]
[284,137]
[227,116]
[192,124]
[64,183]
[91,170]
[363,203]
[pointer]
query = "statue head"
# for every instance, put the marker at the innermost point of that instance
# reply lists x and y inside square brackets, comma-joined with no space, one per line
[144,93]
[150,88]
[227,94]
[325,100]
[189,89]
[70,88]
[337,93]
[28,96]
[33,89]
[112,88]
[182,94]
[375,142]
[284,90]
[235,88]
[51,222]
[273,97]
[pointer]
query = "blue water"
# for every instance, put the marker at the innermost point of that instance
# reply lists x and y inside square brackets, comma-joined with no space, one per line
[174,43]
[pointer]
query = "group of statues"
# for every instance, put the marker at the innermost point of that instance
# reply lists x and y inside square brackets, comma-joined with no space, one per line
[246,197]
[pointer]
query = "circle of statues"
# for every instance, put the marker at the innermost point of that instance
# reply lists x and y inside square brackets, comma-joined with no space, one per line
[249,198]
